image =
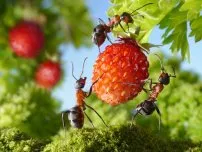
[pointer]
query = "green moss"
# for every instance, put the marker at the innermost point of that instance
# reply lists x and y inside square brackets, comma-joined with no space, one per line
[124,138]
[12,140]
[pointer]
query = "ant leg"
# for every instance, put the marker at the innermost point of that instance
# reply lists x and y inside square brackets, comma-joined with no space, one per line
[142,48]
[89,120]
[97,114]
[108,38]
[99,49]
[122,27]
[91,88]
[159,113]
[128,27]
[150,84]
[145,90]
[134,114]
[97,44]
[63,121]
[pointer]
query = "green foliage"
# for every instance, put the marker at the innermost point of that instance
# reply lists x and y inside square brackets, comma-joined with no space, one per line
[171,15]
[22,103]
[196,29]
[14,140]
[180,104]
[32,110]
[59,21]
[124,138]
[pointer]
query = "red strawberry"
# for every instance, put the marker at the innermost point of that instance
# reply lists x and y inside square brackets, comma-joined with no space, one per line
[26,39]
[122,63]
[48,74]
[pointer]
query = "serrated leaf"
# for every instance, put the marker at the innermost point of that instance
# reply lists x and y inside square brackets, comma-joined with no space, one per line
[175,25]
[153,14]
[193,7]
[196,27]
[172,19]
[178,40]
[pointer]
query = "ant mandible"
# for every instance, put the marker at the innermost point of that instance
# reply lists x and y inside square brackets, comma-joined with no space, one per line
[100,33]
[124,17]
[76,113]
[148,106]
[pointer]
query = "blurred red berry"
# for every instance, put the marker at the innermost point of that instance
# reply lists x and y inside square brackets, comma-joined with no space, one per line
[26,39]
[122,63]
[48,74]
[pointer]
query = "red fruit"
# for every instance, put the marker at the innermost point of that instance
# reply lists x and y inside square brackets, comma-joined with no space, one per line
[121,63]
[48,74]
[26,39]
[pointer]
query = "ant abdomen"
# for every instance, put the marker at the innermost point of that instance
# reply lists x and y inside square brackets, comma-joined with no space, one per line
[145,108]
[76,117]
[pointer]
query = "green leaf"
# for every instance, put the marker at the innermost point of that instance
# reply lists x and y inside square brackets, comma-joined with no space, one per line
[153,14]
[178,40]
[175,25]
[196,27]
[193,7]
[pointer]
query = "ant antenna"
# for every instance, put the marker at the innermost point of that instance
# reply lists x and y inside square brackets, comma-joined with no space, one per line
[73,71]
[101,21]
[162,67]
[141,7]
[83,66]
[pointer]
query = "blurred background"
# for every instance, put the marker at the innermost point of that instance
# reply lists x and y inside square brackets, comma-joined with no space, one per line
[67,26]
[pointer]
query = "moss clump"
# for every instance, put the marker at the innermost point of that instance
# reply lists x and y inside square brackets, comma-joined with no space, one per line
[125,138]
[12,140]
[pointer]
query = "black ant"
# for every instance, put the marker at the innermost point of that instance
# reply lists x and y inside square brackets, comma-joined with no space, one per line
[76,113]
[124,17]
[148,106]
[100,33]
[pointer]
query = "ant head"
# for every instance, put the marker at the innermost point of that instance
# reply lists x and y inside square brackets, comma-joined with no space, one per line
[126,17]
[80,83]
[164,78]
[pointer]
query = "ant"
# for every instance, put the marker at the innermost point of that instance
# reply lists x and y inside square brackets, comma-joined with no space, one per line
[100,33]
[148,106]
[124,17]
[102,29]
[76,113]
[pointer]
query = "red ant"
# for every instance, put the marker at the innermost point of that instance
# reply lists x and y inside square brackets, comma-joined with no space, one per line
[100,33]
[102,29]
[76,114]
[148,106]
[124,17]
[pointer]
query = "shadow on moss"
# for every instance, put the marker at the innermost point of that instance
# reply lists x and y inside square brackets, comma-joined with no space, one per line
[123,138]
